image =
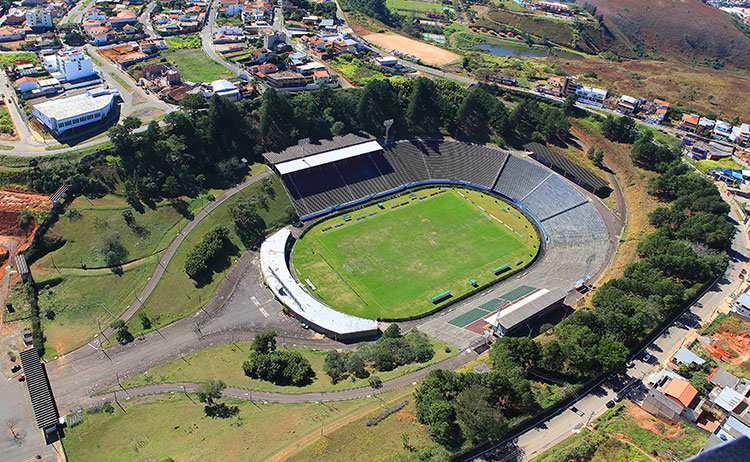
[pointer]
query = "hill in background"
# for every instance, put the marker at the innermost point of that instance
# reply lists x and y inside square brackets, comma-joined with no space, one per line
[686,29]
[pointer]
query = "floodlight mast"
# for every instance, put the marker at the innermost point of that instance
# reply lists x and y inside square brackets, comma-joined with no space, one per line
[302,143]
[387,124]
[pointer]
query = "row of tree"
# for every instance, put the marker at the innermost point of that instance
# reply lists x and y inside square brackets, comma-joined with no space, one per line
[199,148]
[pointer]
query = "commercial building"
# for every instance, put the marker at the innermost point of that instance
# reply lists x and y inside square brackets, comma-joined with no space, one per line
[40,392]
[524,310]
[69,65]
[64,114]
[226,89]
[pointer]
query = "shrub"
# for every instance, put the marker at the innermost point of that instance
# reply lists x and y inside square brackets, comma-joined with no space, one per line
[279,367]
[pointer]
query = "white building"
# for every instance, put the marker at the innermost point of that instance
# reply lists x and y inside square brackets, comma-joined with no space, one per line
[39,18]
[226,89]
[69,65]
[63,114]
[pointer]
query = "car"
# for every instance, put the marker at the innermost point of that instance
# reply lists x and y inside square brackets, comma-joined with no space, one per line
[732,295]
[21,377]
[646,358]
[630,364]
[610,404]
[15,368]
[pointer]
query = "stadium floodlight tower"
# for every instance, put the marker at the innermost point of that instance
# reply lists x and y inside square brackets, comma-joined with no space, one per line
[387,124]
[302,142]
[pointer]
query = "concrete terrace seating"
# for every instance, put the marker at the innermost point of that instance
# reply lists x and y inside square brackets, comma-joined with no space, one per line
[552,196]
[577,225]
[519,177]
[456,161]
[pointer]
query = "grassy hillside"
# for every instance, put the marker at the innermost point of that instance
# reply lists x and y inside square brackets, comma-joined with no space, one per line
[687,29]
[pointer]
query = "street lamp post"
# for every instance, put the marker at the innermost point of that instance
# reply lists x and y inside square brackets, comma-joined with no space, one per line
[387,124]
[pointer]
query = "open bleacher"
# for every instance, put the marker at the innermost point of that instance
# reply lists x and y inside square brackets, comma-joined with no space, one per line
[356,167]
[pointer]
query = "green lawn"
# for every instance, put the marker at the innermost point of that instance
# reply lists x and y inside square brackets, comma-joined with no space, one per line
[225,362]
[175,426]
[7,59]
[176,295]
[392,264]
[195,66]
[87,223]
[415,5]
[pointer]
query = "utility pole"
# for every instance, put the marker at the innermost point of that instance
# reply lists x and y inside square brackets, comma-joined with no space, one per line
[387,124]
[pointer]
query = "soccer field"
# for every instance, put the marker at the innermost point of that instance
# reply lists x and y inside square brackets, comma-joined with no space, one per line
[390,264]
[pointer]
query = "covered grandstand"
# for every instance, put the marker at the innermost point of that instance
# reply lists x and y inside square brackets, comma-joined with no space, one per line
[577,242]
[273,265]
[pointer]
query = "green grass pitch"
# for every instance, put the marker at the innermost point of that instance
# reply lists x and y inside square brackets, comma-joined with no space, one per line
[390,265]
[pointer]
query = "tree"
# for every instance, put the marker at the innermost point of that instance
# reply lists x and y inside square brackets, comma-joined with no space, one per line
[247,223]
[145,321]
[335,365]
[276,120]
[122,333]
[378,102]
[264,343]
[392,331]
[423,113]
[113,251]
[193,102]
[477,419]
[74,38]
[210,392]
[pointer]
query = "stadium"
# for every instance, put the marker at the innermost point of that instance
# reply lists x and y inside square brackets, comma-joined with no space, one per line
[461,239]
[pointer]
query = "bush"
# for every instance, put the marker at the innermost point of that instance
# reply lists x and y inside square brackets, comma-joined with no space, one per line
[375,382]
[205,251]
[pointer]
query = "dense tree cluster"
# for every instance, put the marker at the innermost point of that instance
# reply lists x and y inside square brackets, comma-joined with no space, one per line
[620,129]
[390,351]
[649,155]
[281,367]
[205,251]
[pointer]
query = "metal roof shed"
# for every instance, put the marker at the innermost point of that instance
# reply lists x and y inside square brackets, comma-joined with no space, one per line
[40,392]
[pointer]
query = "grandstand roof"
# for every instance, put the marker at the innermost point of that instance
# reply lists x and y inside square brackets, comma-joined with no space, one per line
[327,157]
[317,147]
[293,296]
[548,156]
[526,308]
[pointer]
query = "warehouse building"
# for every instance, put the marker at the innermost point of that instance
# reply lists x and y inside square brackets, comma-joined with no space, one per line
[64,114]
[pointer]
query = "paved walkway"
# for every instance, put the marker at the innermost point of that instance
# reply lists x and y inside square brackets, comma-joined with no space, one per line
[452,363]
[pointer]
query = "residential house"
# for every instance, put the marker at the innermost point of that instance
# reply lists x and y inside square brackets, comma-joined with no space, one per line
[232,7]
[122,17]
[723,379]
[322,77]
[15,17]
[260,54]
[627,104]
[658,404]
[689,122]
[8,34]
[591,95]
[682,392]
[345,46]
[741,306]
[286,80]
[731,401]
[310,20]
[310,68]
[315,43]
[328,25]
[722,130]
[685,356]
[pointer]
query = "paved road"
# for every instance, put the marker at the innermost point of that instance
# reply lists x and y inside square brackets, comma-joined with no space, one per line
[452,363]
[208,45]
[144,19]
[567,421]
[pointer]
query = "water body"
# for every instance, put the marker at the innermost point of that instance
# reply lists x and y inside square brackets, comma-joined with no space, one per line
[516,51]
